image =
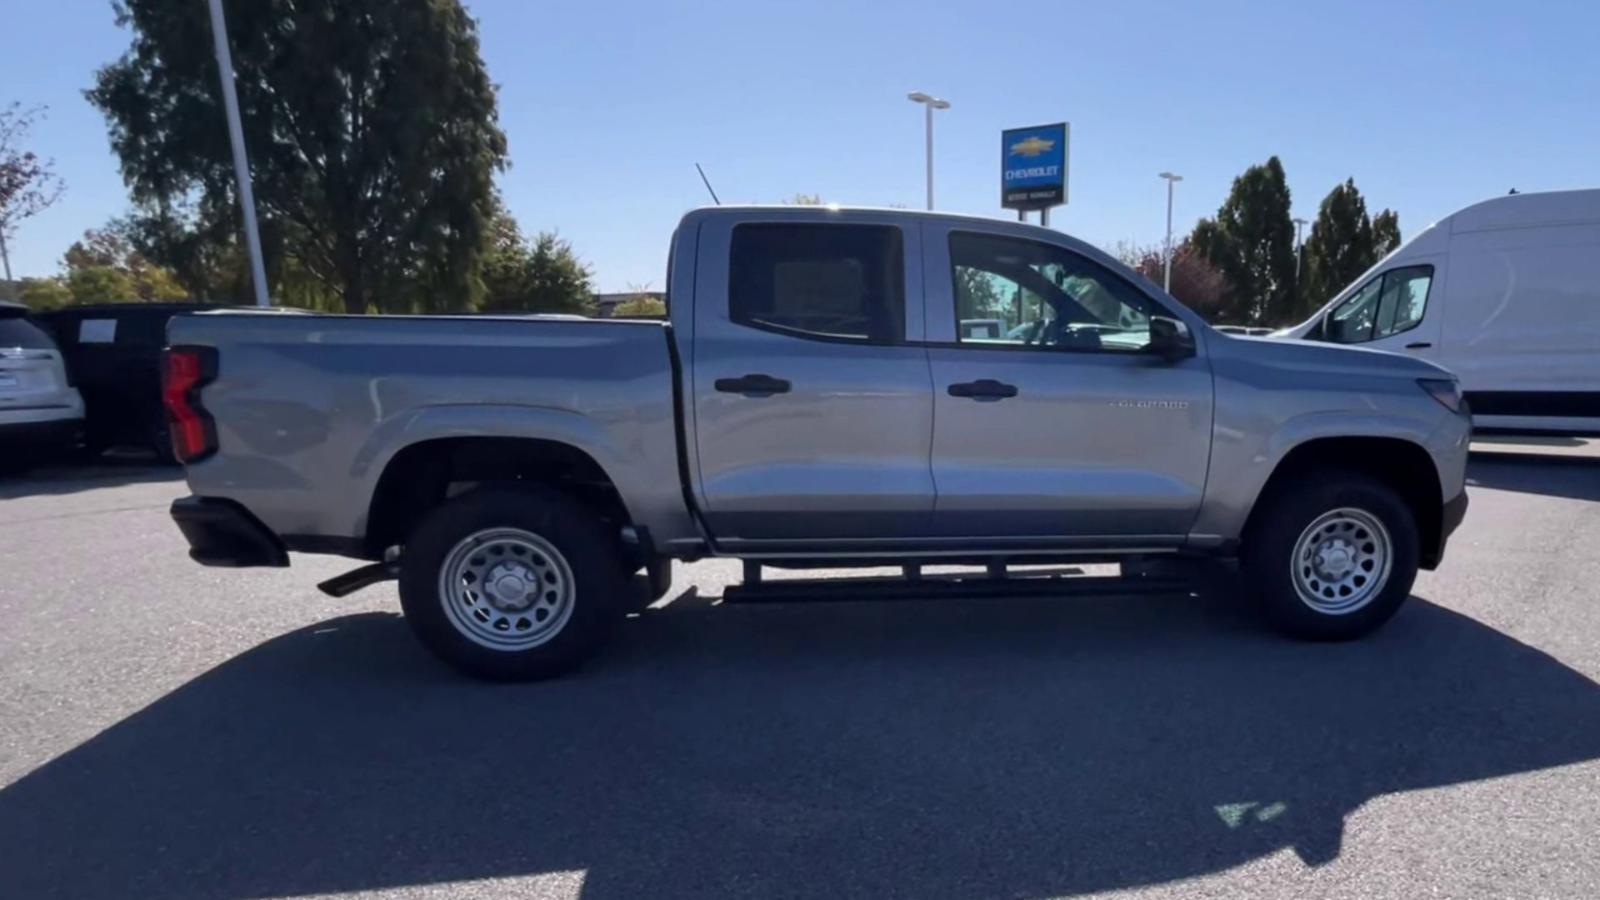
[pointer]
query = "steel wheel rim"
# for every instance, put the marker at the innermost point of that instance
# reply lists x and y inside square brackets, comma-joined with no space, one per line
[1341,561]
[506,589]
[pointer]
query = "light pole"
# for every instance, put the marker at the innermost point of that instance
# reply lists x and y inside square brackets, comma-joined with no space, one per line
[1166,274]
[931,103]
[241,162]
[1299,226]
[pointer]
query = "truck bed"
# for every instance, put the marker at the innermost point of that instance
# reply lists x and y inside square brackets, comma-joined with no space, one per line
[309,409]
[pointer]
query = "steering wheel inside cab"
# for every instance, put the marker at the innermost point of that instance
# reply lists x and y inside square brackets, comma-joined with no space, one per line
[1058,332]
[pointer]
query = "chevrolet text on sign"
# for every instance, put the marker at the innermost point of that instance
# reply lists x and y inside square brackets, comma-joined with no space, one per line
[1033,166]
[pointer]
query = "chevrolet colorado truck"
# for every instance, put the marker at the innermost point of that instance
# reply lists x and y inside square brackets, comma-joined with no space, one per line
[820,394]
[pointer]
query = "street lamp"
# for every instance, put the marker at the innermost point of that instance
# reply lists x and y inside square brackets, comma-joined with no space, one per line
[1166,275]
[241,161]
[1299,226]
[931,103]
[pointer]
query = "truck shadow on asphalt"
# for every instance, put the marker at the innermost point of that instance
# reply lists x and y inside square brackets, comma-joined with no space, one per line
[73,476]
[975,749]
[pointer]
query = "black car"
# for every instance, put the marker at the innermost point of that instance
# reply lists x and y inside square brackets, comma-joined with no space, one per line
[113,352]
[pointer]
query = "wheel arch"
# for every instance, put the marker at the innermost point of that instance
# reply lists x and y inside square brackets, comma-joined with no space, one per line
[423,474]
[1402,464]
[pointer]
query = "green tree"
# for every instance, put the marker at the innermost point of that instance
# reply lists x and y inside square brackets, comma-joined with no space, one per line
[1251,242]
[103,268]
[1339,248]
[99,284]
[1385,233]
[371,125]
[44,293]
[980,296]
[542,275]
[201,251]
[28,184]
[642,306]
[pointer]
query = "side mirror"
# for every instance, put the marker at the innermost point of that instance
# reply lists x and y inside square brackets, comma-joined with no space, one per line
[1170,339]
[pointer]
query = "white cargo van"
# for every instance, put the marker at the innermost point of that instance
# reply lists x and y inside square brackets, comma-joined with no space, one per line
[1506,294]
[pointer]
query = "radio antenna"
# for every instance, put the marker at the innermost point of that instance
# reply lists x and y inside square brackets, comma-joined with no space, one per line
[707,183]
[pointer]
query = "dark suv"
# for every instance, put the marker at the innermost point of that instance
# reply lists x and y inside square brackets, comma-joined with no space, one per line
[113,352]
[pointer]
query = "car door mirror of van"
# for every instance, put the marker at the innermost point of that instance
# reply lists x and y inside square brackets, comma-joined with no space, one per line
[1170,339]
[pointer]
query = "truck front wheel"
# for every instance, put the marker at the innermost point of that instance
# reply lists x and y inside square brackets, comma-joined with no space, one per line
[1331,557]
[512,583]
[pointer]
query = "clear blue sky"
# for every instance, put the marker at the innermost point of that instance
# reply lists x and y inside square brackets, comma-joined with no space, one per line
[609,105]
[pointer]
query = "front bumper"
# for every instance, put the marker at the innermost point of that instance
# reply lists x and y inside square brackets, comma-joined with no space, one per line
[1450,519]
[223,533]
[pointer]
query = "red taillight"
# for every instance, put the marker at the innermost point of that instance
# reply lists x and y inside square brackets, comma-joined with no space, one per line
[184,370]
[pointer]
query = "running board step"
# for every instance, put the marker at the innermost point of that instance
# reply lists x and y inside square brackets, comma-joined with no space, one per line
[356,579]
[934,586]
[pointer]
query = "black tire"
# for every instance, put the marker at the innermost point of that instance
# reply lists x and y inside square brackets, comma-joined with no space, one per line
[589,550]
[1277,527]
[15,461]
[161,445]
[96,442]
[659,579]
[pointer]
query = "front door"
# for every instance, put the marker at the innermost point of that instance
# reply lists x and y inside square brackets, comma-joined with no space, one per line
[1051,418]
[812,413]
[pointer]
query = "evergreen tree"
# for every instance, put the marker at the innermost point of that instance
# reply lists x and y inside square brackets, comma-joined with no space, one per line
[541,275]
[1340,247]
[1251,242]
[1385,233]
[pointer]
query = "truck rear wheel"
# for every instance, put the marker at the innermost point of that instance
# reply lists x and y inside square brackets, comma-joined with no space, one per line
[1332,559]
[512,584]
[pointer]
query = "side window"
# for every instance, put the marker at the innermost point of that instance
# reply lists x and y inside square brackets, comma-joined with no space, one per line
[838,282]
[1404,300]
[1388,304]
[1351,321]
[1024,293]
[97,331]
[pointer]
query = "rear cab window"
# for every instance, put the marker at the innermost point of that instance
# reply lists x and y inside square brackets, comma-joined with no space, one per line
[836,282]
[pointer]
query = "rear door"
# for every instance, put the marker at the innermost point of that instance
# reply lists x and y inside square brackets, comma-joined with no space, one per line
[812,414]
[1063,428]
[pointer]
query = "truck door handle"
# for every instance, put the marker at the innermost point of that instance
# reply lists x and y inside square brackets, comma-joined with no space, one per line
[753,385]
[983,389]
[1418,345]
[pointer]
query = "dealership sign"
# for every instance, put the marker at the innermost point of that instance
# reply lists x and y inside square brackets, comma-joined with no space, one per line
[1033,166]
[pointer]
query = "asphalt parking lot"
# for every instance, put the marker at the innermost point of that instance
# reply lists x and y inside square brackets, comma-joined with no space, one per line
[172,730]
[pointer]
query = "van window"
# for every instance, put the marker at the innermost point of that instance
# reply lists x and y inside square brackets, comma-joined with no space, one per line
[1405,297]
[1388,304]
[838,282]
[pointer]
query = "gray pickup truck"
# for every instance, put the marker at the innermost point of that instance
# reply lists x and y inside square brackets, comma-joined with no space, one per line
[834,386]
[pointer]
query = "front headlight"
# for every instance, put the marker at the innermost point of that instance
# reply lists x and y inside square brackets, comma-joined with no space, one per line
[1447,391]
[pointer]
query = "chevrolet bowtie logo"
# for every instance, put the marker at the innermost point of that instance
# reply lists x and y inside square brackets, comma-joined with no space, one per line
[1033,146]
